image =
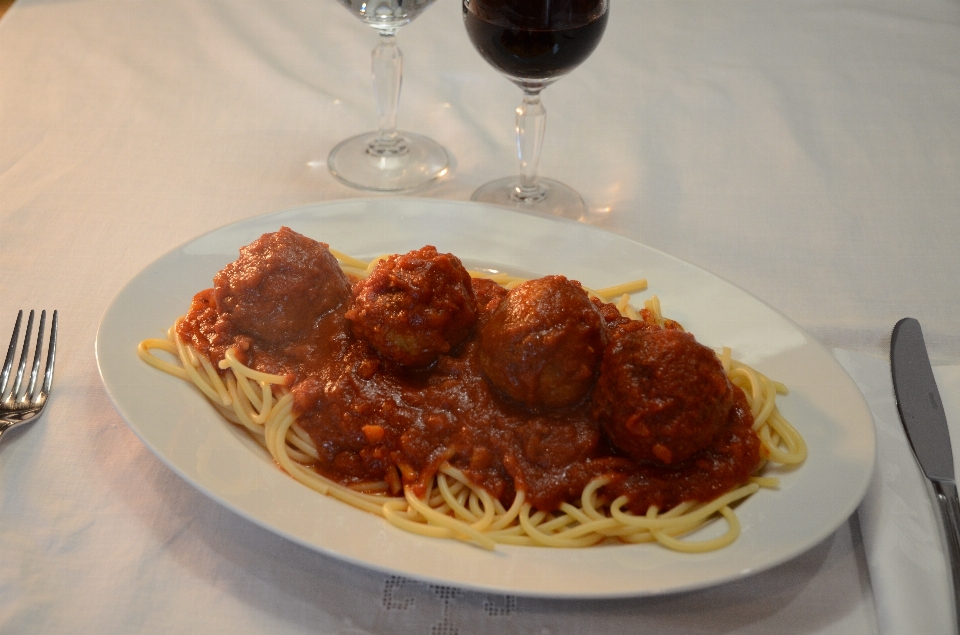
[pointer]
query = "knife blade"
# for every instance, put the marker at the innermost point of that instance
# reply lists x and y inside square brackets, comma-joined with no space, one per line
[921,412]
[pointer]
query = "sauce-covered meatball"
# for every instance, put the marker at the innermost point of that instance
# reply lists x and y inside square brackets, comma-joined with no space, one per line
[488,293]
[542,343]
[280,286]
[661,396]
[414,307]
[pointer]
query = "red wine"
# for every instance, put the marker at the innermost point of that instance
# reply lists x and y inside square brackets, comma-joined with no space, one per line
[535,39]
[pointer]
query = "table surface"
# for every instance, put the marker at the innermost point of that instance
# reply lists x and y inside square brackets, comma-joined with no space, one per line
[806,150]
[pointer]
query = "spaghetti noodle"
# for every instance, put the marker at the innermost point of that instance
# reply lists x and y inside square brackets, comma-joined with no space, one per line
[455,507]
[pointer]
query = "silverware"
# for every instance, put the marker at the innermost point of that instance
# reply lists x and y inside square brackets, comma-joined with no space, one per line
[921,412]
[19,406]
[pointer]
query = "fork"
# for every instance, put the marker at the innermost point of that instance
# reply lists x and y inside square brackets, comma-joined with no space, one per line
[16,406]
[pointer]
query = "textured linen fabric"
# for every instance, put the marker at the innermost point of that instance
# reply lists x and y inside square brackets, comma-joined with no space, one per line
[806,150]
[898,519]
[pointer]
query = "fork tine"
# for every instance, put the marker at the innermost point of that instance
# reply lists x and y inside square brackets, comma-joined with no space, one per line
[51,359]
[8,362]
[28,393]
[24,354]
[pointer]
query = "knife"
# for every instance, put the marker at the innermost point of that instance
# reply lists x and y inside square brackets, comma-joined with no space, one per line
[921,412]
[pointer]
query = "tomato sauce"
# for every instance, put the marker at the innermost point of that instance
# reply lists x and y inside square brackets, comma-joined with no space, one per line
[375,421]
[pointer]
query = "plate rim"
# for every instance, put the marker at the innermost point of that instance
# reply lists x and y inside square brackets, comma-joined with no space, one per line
[365,204]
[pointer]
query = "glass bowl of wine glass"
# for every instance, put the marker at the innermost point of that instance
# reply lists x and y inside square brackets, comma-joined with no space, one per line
[387,160]
[534,43]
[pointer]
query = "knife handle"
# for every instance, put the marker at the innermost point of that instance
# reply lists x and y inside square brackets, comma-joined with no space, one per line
[949,504]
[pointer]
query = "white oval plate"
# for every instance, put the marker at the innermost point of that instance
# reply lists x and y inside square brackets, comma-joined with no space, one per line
[182,429]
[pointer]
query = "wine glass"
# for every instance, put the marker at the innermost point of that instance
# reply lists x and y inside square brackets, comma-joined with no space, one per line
[387,160]
[534,43]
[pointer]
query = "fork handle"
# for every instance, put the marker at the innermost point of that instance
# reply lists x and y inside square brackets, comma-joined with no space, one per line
[949,504]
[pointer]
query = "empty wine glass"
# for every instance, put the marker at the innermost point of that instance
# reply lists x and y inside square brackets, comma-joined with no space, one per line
[534,43]
[387,160]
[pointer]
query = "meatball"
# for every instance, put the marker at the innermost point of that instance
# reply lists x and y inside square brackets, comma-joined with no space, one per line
[279,287]
[661,396]
[488,293]
[414,307]
[542,343]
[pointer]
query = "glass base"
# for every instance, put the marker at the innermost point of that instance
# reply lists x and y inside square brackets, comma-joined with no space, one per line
[410,162]
[552,197]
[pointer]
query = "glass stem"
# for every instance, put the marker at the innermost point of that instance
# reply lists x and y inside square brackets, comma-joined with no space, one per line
[387,65]
[531,123]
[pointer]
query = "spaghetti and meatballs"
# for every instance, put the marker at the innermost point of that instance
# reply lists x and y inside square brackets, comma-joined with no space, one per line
[538,414]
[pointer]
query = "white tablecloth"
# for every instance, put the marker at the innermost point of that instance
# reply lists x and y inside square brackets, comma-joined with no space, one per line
[806,150]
